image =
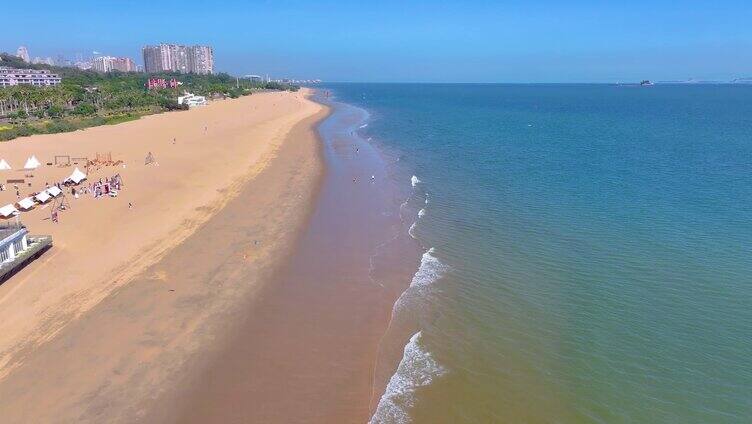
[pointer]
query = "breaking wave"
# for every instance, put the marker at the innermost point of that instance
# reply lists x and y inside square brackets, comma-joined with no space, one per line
[415,180]
[421,213]
[418,368]
[430,270]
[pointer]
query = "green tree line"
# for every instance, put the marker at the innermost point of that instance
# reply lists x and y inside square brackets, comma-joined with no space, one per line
[85,93]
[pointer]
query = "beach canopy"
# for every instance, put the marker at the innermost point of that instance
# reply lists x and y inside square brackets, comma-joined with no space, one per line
[8,210]
[32,163]
[26,203]
[4,165]
[43,196]
[54,191]
[77,176]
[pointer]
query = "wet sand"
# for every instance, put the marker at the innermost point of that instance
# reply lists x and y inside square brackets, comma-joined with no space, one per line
[305,348]
[95,331]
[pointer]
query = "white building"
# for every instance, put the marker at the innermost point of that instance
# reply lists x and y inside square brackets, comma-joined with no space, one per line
[37,77]
[191,100]
[18,248]
[102,63]
[43,61]
[23,53]
[178,58]
[13,241]
[201,59]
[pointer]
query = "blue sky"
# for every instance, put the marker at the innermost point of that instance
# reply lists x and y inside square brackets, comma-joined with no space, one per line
[407,41]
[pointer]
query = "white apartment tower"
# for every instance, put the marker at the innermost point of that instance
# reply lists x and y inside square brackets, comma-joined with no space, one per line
[177,58]
[23,54]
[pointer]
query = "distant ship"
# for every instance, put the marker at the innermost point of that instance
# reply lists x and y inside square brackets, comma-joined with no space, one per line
[645,83]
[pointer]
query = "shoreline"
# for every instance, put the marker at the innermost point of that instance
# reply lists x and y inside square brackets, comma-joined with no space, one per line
[304,349]
[73,341]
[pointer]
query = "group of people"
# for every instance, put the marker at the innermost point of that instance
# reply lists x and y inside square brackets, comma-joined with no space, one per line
[15,187]
[104,187]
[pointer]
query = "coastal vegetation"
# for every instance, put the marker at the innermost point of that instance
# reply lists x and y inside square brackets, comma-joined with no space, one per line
[87,98]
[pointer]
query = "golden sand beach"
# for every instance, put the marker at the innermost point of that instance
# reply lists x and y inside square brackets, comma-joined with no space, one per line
[99,326]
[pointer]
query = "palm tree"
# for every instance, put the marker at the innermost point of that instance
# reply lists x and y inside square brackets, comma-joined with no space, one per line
[4,99]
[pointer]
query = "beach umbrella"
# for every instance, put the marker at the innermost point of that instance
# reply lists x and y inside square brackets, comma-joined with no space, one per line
[32,163]
[4,165]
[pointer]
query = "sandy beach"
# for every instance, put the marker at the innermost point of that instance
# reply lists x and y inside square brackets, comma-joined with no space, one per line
[98,327]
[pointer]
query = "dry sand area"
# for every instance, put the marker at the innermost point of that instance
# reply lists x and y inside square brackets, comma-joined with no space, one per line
[96,329]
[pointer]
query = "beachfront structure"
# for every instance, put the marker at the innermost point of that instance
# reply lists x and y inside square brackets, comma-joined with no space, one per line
[178,58]
[38,77]
[110,63]
[191,100]
[17,248]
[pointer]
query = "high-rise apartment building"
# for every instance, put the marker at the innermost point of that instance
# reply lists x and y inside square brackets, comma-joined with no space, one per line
[23,54]
[201,60]
[109,64]
[177,58]
[124,64]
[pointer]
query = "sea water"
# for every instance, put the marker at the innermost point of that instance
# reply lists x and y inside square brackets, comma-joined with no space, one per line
[587,251]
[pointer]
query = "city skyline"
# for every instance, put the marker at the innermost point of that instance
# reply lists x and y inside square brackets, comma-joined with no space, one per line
[425,42]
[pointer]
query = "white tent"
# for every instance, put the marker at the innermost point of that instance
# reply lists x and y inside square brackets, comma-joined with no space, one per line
[43,196]
[4,165]
[26,203]
[54,191]
[8,210]
[77,176]
[32,163]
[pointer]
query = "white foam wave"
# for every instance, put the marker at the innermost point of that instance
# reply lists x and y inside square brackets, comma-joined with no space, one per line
[363,126]
[421,213]
[426,198]
[402,207]
[418,368]
[411,230]
[415,180]
[430,269]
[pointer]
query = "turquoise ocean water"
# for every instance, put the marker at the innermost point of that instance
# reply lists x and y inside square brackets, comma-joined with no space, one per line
[587,251]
